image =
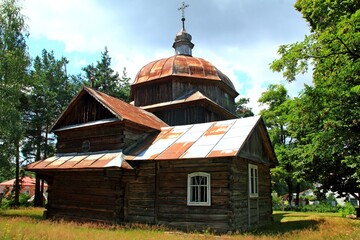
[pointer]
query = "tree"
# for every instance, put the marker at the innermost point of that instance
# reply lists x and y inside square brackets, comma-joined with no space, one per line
[277,117]
[241,109]
[14,63]
[50,92]
[328,112]
[103,78]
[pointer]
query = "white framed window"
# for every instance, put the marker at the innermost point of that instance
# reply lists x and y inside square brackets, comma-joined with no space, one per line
[198,192]
[253,181]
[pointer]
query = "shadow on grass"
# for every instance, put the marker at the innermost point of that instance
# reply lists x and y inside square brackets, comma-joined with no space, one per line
[293,223]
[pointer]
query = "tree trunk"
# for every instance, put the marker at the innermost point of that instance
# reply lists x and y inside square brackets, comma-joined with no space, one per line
[297,200]
[38,200]
[17,176]
[38,197]
[290,189]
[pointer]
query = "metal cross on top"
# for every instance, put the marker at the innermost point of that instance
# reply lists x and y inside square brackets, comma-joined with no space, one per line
[182,8]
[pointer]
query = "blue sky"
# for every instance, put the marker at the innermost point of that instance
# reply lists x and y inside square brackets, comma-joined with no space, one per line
[240,37]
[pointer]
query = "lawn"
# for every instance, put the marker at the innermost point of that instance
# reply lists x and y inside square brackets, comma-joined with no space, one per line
[28,224]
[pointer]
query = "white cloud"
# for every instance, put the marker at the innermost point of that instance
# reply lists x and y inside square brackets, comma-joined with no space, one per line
[79,24]
[235,36]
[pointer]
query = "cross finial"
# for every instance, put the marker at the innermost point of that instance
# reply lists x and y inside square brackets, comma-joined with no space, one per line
[182,8]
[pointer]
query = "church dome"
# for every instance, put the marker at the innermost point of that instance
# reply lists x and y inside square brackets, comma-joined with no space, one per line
[182,66]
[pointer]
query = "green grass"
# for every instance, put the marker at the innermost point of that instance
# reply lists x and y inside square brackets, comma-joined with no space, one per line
[28,224]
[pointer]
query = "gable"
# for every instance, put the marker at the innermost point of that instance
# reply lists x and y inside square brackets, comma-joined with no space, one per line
[256,147]
[84,109]
[90,105]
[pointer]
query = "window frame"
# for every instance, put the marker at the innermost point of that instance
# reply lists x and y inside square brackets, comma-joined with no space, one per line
[190,186]
[253,181]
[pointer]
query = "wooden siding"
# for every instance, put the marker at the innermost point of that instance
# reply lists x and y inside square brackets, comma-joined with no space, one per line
[156,192]
[156,92]
[105,137]
[187,115]
[172,209]
[86,110]
[139,193]
[86,196]
[254,148]
[174,87]
[211,90]
[249,212]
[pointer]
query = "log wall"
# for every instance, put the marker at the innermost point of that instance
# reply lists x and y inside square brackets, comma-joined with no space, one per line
[139,187]
[86,196]
[172,88]
[187,115]
[101,137]
[172,209]
[156,192]
[249,212]
[212,91]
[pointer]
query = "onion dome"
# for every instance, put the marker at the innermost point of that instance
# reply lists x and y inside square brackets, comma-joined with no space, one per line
[182,66]
[183,44]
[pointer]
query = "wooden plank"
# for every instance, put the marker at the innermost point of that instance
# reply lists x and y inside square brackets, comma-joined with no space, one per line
[157,190]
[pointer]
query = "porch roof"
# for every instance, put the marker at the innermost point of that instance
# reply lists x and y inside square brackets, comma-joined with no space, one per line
[94,160]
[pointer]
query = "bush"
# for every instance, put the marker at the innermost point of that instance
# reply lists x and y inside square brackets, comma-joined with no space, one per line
[346,210]
[277,203]
[9,201]
[321,207]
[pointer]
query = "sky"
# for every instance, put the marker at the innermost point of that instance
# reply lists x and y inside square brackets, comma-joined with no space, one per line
[239,37]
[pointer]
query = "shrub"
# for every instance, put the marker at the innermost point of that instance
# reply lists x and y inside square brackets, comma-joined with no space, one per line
[321,207]
[347,209]
[9,201]
[277,203]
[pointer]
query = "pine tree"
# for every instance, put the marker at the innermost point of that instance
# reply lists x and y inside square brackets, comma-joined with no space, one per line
[14,63]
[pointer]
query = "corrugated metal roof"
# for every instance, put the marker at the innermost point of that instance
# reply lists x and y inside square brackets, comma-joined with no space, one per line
[204,140]
[214,139]
[93,160]
[127,111]
[120,109]
[181,65]
[192,97]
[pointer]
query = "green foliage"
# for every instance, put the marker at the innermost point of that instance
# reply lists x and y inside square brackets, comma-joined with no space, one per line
[242,110]
[320,208]
[14,63]
[277,118]
[51,90]
[103,78]
[347,210]
[277,203]
[9,201]
[325,117]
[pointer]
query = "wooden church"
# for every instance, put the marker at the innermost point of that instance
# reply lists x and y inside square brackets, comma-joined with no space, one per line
[176,156]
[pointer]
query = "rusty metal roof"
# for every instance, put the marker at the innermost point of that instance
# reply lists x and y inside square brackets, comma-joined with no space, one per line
[95,160]
[120,109]
[24,181]
[181,65]
[205,140]
[187,98]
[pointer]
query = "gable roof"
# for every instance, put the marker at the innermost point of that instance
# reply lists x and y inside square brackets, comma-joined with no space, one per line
[191,97]
[121,110]
[205,140]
